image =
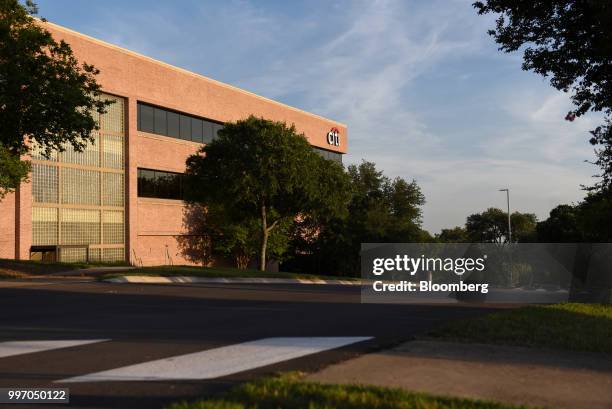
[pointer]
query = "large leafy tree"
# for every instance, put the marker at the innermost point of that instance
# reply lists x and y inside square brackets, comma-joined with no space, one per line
[588,221]
[457,234]
[383,209]
[380,210]
[491,226]
[562,226]
[46,96]
[570,42]
[264,169]
[211,232]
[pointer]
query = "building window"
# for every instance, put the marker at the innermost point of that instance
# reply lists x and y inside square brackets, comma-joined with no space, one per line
[160,184]
[161,121]
[45,183]
[146,115]
[177,125]
[196,130]
[78,197]
[185,127]
[174,125]
[330,155]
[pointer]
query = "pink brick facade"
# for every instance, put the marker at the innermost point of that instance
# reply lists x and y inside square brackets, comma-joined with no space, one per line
[7,226]
[152,225]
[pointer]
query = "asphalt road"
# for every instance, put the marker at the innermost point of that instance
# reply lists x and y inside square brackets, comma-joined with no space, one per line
[151,322]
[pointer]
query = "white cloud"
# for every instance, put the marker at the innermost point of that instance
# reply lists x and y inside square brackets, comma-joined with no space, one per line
[365,64]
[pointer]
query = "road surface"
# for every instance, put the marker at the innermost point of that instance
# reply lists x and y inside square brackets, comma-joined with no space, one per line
[143,346]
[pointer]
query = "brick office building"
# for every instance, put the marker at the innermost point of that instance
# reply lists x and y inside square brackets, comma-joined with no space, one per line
[120,199]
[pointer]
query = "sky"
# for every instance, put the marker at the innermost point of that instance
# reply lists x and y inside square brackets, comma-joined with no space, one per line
[423,89]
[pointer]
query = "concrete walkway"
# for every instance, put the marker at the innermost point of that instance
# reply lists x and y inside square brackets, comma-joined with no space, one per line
[516,375]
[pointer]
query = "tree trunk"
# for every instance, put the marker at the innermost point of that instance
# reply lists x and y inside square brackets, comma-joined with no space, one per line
[264,239]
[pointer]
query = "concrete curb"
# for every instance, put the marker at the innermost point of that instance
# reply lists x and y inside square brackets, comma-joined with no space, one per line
[214,280]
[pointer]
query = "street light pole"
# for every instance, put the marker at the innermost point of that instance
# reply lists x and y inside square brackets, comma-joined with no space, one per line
[508,202]
[509,234]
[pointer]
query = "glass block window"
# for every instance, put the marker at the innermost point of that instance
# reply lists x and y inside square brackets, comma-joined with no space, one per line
[95,255]
[73,255]
[112,189]
[44,226]
[80,186]
[113,255]
[44,183]
[113,120]
[113,151]
[79,197]
[112,227]
[37,153]
[80,226]
[90,156]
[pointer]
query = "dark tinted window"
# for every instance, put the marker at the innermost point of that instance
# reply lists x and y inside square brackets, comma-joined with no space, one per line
[196,130]
[185,127]
[330,155]
[160,184]
[145,120]
[164,184]
[216,129]
[173,124]
[176,125]
[146,183]
[207,131]
[161,124]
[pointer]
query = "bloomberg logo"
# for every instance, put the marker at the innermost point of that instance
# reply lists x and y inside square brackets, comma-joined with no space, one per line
[333,137]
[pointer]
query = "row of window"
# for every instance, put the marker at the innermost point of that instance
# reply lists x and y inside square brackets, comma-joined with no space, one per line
[331,155]
[53,226]
[78,186]
[169,185]
[160,184]
[165,122]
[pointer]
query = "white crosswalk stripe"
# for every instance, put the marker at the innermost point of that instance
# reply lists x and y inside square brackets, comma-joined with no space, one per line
[12,348]
[221,361]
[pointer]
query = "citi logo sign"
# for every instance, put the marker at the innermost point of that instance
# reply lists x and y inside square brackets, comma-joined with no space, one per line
[333,137]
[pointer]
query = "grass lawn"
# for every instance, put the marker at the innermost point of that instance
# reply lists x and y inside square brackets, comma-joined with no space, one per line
[579,327]
[27,268]
[288,392]
[195,271]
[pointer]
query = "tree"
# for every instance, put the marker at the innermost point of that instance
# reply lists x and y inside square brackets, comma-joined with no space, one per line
[12,171]
[562,226]
[491,226]
[523,227]
[595,217]
[380,210]
[263,169]
[383,209]
[569,41]
[211,232]
[46,97]
[588,221]
[487,227]
[455,235]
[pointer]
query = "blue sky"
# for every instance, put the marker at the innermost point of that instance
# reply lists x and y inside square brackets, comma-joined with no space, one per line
[421,86]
